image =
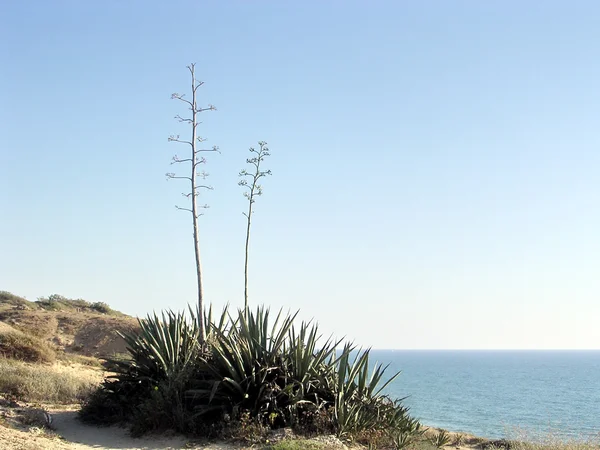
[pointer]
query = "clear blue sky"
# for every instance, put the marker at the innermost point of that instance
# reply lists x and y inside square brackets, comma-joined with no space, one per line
[435,164]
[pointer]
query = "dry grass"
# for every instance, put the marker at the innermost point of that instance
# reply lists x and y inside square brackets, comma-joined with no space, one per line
[41,324]
[7,298]
[20,346]
[555,445]
[73,326]
[74,358]
[522,440]
[49,384]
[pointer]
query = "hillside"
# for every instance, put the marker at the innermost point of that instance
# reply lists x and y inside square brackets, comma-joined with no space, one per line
[71,326]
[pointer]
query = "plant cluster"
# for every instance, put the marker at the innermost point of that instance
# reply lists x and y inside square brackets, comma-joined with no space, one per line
[255,371]
[440,439]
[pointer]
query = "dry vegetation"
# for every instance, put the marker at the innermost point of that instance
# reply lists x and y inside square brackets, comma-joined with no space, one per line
[67,326]
[49,349]
[15,344]
[58,383]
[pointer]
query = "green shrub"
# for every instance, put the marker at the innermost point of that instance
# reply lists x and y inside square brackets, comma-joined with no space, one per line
[101,307]
[108,404]
[77,303]
[23,347]
[52,303]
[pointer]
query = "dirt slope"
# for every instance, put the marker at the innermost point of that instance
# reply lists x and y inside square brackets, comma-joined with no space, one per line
[73,326]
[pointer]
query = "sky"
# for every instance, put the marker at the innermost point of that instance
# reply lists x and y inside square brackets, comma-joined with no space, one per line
[435,164]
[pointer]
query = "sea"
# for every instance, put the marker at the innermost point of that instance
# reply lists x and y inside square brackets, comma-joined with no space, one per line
[501,393]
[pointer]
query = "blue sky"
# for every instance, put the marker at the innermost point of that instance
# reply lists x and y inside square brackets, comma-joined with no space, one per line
[435,164]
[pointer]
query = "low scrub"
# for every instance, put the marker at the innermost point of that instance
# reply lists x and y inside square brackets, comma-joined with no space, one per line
[57,302]
[23,347]
[258,372]
[8,298]
[47,384]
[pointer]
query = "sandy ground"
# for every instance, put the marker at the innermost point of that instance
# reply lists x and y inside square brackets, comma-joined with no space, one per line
[70,434]
[22,427]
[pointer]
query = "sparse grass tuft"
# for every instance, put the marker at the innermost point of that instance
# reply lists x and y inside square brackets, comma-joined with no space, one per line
[50,384]
[23,347]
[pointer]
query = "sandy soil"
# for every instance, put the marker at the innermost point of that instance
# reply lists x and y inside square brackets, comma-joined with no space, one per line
[70,434]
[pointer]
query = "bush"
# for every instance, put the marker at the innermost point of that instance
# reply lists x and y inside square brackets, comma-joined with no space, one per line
[256,370]
[35,383]
[23,347]
[107,405]
[101,307]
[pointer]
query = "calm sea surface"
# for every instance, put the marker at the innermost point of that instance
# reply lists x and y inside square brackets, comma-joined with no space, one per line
[494,393]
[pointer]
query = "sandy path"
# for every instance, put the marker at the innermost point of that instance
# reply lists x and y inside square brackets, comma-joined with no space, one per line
[68,426]
[75,435]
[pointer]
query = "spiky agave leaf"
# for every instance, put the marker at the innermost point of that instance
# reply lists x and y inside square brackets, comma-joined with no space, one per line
[358,403]
[163,347]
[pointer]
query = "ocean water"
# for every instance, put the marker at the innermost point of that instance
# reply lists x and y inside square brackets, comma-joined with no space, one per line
[500,394]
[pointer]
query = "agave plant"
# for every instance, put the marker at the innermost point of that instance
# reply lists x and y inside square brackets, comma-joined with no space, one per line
[148,387]
[459,439]
[401,439]
[309,361]
[248,370]
[358,402]
[164,348]
[440,439]
[252,364]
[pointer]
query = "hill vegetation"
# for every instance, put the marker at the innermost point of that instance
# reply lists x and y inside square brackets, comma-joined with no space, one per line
[50,348]
[55,326]
[55,302]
